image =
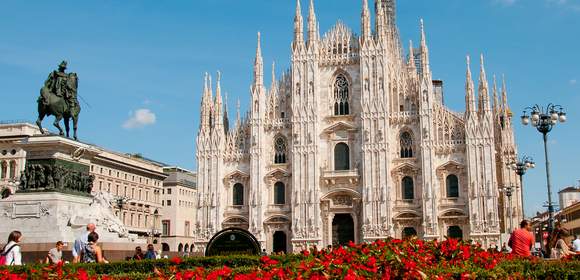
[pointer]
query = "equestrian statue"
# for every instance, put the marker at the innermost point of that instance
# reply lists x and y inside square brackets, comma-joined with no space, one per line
[58,97]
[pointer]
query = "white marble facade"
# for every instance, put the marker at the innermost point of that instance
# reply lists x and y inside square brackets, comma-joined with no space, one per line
[354,142]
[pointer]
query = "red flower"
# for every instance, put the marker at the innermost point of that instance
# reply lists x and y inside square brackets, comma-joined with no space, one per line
[176,260]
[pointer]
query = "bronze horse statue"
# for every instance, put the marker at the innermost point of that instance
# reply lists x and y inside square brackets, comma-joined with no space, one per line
[50,103]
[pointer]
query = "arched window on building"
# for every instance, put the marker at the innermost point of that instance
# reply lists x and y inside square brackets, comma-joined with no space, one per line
[280,150]
[452,186]
[406,143]
[341,157]
[12,173]
[4,170]
[180,247]
[409,232]
[341,93]
[238,195]
[279,193]
[408,188]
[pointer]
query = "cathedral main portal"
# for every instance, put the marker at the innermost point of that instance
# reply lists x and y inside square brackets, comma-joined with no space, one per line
[342,229]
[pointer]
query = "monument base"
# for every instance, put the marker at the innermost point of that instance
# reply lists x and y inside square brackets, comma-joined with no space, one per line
[47,217]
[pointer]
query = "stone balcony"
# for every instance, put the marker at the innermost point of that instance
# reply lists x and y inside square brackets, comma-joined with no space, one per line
[334,177]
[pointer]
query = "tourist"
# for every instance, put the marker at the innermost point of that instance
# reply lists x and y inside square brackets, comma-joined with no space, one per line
[81,241]
[159,254]
[138,254]
[55,254]
[560,249]
[522,240]
[150,255]
[11,252]
[263,253]
[91,252]
[576,244]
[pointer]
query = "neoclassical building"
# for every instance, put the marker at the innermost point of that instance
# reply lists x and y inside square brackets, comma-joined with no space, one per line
[354,142]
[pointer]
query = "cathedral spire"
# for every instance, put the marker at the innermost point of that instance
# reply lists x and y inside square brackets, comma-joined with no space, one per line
[483,91]
[298,27]
[411,61]
[366,22]
[312,25]
[496,105]
[274,82]
[238,119]
[258,66]
[504,101]
[205,104]
[226,117]
[380,19]
[218,118]
[425,69]
[469,90]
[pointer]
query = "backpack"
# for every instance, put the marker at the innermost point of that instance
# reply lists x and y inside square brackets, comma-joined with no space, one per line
[4,254]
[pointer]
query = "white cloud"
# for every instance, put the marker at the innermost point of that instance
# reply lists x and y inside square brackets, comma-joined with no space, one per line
[140,118]
[573,82]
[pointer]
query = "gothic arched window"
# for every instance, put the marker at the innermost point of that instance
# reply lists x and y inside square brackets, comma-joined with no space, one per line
[452,186]
[279,193]
[341,157]
[280,150]
[12,170]
[341,91]
[406,145]
[408,188]
[238,195]
[4,170]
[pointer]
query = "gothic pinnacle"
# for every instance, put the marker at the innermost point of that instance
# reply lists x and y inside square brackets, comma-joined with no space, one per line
[496,105]
[312,25]
[366,21]
[469,94]
[258,65]
[298,26]
[484,104]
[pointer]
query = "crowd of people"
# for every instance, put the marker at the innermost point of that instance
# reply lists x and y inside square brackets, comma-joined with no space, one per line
[522,242]
[85,249]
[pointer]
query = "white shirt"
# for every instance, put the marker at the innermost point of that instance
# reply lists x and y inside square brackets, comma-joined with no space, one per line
[14,257]
[78,244]
[576,245]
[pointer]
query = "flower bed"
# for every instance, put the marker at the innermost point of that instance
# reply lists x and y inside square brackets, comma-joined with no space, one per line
[390,259]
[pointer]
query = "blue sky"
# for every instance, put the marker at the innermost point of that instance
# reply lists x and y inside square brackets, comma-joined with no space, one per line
[141,63]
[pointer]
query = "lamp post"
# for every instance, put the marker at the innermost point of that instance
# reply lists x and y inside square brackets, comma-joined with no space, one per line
[154,225]
[544,120]
[520,166]
[508,192]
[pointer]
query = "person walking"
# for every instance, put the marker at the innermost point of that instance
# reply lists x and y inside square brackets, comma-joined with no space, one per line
[11,252]
[81,241]
[55,254]
[576,244]
[150,255]
[91,252]
[522,240]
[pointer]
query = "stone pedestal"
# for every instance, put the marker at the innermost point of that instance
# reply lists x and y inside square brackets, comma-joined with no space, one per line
[47,217]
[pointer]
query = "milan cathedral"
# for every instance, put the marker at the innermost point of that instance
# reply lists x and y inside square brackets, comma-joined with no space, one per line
[354,143]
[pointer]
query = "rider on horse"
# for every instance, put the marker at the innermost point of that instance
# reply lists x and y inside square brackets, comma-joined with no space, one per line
[57,83]
[58,97]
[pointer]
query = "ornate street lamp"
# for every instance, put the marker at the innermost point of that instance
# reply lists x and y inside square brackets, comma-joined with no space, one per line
[508,190]
[520,166]
[544,121]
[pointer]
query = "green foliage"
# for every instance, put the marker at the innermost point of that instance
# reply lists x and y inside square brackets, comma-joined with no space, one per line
[240,265]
